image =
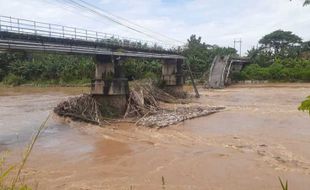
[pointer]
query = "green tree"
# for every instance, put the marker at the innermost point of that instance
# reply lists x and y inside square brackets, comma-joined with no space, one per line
[260,57]
[281,43]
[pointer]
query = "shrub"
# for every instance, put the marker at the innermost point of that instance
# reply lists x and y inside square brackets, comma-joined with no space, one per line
[291,70]
[305,105]
[137,69]
[305,75]
[46,68]
[13,80]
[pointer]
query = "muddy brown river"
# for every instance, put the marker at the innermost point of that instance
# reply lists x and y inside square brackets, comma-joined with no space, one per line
[259,137]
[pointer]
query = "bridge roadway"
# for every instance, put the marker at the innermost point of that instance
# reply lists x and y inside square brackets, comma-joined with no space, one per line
[21,34]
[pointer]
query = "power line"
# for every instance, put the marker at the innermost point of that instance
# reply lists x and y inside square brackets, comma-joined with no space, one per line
[111,19]
[68,7]
[130,22]
[72,5]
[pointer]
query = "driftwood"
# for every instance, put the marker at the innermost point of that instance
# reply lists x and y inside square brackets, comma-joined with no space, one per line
[144,99]
[143,104]
[167,117]
[83,107]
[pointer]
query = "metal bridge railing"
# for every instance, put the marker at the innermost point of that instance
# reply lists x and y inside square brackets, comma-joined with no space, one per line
[23,26]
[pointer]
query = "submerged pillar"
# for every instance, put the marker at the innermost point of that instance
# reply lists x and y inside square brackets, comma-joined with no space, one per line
[110,87]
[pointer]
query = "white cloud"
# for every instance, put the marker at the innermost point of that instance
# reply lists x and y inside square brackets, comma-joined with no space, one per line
[219,21]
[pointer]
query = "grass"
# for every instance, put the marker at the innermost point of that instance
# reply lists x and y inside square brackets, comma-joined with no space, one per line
[4,173]
[13,80]
[284,186]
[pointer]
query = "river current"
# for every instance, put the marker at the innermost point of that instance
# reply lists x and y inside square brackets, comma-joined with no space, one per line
[259,137]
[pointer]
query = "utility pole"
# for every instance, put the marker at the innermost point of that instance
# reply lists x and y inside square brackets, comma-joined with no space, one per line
[240,45]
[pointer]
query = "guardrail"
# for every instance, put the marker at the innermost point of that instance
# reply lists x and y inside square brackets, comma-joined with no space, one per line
[28,27]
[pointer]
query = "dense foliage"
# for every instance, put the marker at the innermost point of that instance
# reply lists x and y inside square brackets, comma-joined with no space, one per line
[19,68]
[281,56]
[286,70]
[140,69]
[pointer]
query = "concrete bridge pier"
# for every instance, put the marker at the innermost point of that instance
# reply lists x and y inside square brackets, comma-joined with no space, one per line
[110,86]
[172,75]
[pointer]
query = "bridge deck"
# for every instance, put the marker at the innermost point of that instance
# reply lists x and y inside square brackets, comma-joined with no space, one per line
[19,34]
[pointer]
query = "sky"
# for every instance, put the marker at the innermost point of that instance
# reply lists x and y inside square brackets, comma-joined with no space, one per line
[216,21]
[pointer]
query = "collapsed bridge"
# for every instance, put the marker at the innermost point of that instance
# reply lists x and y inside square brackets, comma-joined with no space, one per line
[222,68]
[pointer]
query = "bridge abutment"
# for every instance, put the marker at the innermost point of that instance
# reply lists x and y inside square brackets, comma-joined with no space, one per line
[110,88]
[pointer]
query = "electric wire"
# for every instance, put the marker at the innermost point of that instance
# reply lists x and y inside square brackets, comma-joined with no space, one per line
[113,20]
[70,7]
[130,22]
[76,5]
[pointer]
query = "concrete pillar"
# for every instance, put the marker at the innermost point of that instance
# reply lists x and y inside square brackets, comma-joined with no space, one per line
[104,73]
[180,79]
[172,74]
[110,87]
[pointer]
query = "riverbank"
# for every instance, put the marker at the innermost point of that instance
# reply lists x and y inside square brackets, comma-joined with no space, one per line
[47,84]
[270,85]
[260,136]
[28,90]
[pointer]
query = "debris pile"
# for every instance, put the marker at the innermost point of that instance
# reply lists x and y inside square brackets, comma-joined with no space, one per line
[83,107]
[143,104]
[168,117]
[144,99]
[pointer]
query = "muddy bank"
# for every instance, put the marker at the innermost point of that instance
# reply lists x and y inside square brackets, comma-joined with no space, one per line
[260,136]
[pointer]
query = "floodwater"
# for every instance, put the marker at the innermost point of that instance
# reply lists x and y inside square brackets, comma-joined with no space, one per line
[259,137]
